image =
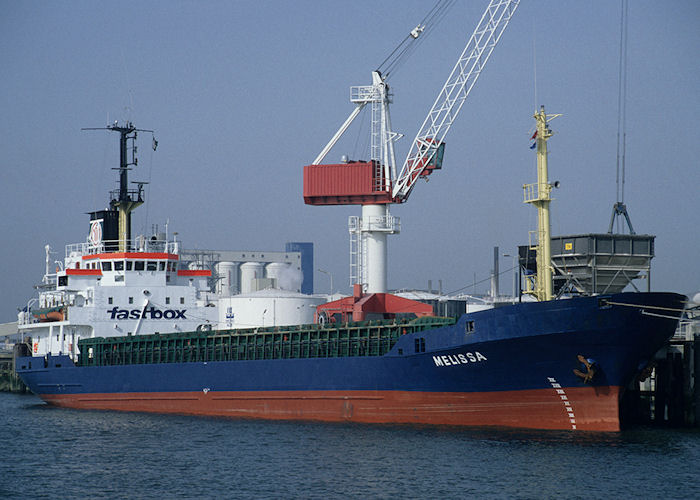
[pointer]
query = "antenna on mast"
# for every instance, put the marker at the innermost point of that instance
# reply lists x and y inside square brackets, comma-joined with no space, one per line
[619,208]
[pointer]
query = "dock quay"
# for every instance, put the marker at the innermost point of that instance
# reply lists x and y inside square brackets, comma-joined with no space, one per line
[667,393]
[9,381]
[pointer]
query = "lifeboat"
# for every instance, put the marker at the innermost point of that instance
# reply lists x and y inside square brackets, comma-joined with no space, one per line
[48,314]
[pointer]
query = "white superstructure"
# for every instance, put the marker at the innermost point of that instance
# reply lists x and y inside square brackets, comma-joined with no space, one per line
[153,289]
[113,285]
[98,293]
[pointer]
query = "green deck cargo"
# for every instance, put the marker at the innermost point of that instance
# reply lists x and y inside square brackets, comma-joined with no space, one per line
[367,338]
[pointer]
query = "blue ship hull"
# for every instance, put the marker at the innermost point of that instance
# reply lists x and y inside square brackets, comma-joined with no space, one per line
[510,366]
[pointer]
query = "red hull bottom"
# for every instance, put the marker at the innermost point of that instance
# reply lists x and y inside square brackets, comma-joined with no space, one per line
[585,408]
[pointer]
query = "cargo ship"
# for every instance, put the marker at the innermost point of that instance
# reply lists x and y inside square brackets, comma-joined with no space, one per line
[370,357]
[513,366]
[554,362]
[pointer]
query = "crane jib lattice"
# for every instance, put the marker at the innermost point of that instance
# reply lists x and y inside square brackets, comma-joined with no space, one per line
[421,156]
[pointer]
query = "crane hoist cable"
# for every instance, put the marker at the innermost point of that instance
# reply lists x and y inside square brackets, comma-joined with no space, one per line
[409,44]
[622,106]
[619,208]
[390,64]
[362,138]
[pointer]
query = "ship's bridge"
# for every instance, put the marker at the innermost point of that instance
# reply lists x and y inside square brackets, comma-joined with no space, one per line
[152,262]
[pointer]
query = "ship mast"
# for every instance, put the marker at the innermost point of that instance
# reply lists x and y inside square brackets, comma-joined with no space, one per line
[539,195]
[125,200]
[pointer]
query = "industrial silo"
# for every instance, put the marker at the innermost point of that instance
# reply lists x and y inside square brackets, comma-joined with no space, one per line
[227,278]
[250,271]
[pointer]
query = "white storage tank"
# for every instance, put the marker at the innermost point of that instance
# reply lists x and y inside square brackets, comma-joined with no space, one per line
[227,278]
[285,276]
[249,272]
[268,308]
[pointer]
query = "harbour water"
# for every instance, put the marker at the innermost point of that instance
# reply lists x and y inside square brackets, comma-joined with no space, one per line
[58,453]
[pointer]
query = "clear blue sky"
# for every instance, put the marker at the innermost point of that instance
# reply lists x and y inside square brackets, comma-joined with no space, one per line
[243,94]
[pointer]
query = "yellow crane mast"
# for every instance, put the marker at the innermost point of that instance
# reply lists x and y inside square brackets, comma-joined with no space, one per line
[539,195]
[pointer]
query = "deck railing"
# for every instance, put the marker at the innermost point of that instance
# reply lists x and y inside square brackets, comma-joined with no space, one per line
[140,245]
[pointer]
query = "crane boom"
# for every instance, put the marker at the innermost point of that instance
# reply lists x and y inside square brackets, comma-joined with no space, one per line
[424,154]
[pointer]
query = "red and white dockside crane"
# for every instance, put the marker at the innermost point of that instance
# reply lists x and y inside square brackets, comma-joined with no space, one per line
[374,184]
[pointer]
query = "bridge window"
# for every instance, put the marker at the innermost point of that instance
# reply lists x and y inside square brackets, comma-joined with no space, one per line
[161,266]
[129,265]
[139,265]
[106,266]
[151,266]
[119,265]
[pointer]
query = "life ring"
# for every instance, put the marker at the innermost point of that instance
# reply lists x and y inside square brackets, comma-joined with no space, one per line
[587,364]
